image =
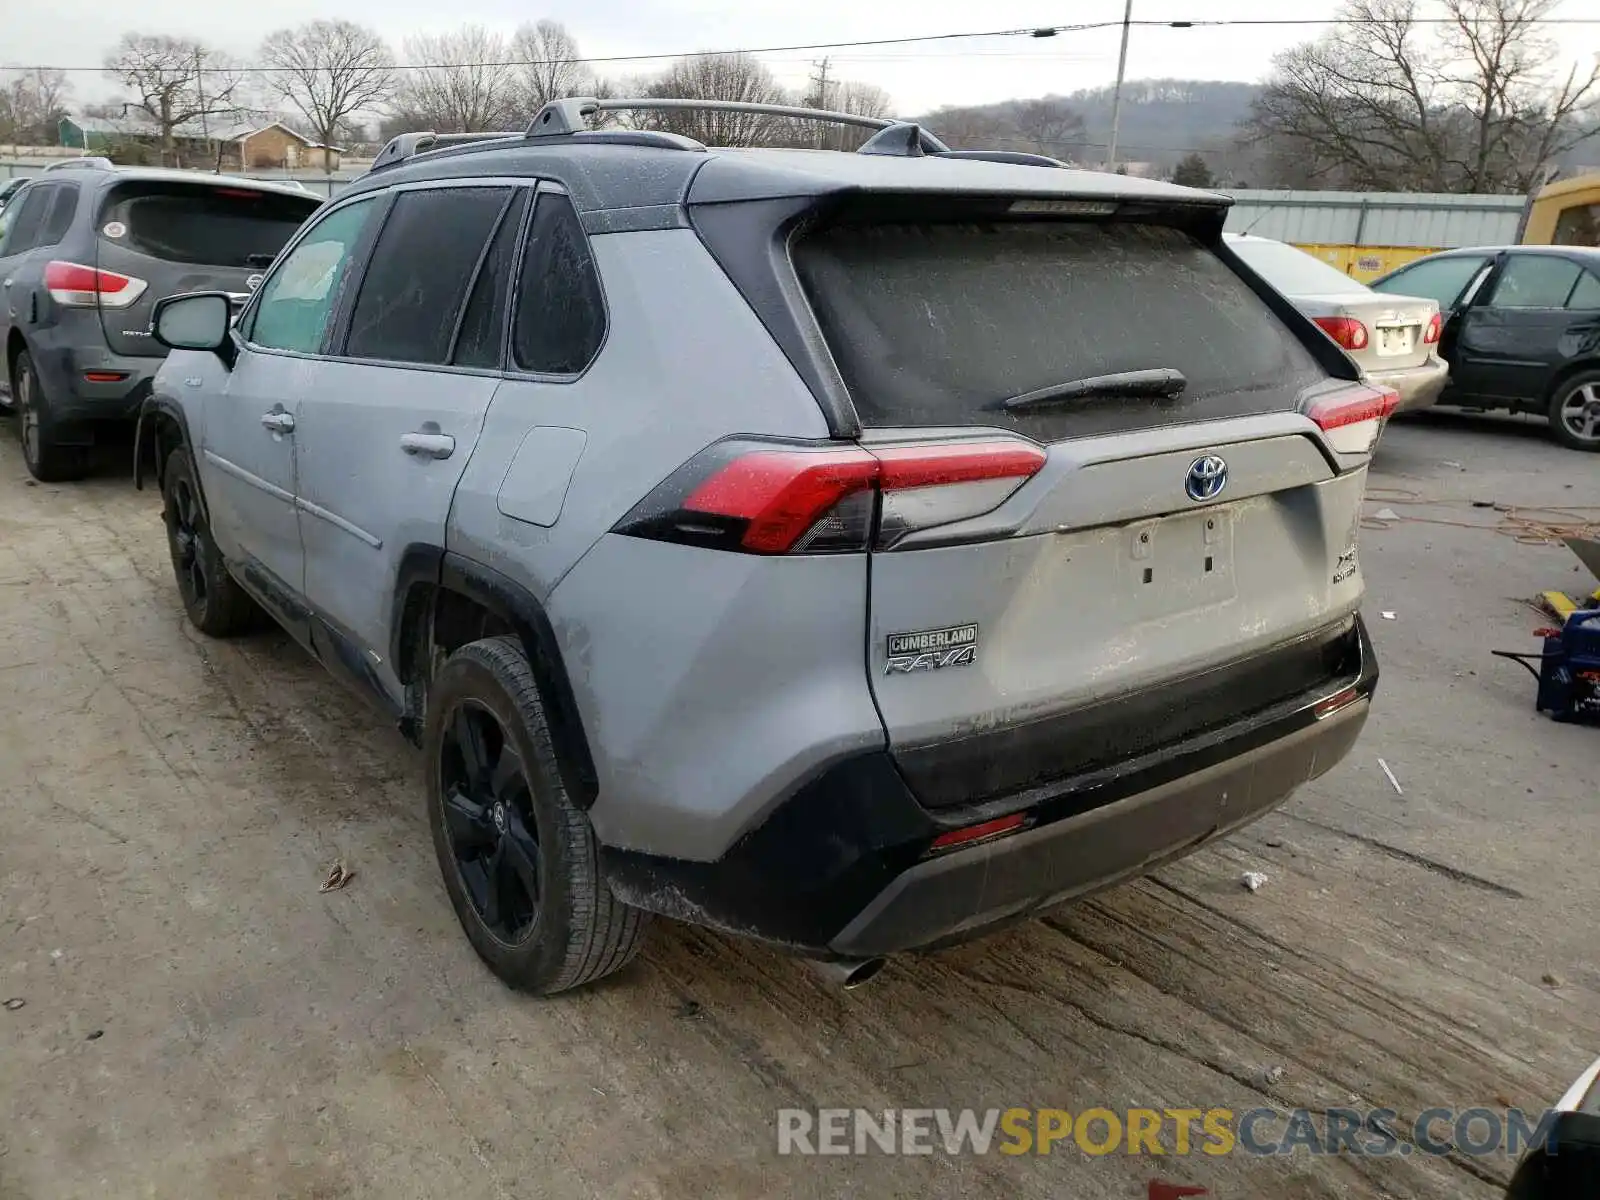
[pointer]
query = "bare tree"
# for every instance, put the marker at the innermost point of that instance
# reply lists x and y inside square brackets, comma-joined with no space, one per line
[174,81]
[32,104]
[460,82]
[550,67]
[328,70]
[718,77]
[1386,102]
[971,128]
[1048,126]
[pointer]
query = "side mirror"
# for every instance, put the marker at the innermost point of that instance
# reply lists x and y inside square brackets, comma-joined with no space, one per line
[196,321]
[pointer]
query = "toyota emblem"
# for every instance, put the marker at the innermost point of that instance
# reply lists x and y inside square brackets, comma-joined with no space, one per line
[252,282]
[1207,477]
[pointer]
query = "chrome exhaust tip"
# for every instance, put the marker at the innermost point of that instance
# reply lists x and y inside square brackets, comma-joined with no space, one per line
[846,973]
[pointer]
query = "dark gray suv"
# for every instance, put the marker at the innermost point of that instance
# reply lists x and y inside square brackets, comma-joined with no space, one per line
[87,251]
[855,551]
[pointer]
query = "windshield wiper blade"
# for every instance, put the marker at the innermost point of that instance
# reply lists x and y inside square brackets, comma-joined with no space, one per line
[1163,382]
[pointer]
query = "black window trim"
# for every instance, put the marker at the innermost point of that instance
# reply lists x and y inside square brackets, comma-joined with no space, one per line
[245,325]
[512,370]
[512,199]
[334,346]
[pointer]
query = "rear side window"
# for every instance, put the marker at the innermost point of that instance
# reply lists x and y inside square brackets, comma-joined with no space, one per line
[1587,294]
[1535,281]
[1439,279]
[25,219]
[421,268]
[58,218]
[561,316]
[202,225]
[939,324]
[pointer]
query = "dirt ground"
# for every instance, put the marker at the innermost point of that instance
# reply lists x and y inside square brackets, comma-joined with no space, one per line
[199,1020]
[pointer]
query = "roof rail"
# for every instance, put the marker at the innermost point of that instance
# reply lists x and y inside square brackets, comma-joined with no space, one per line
[566,117]
[405,145]
[93,162]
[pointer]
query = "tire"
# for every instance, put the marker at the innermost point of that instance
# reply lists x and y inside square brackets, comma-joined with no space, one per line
[1575,411]
[216,604]
[47,460]
[520,861]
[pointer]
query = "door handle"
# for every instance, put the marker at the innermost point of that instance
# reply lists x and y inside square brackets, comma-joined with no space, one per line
[278,422]
[428,445]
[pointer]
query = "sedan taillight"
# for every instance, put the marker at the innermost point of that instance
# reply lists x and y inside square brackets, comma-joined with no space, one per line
[1430,335]
[1347,331]
[76,286]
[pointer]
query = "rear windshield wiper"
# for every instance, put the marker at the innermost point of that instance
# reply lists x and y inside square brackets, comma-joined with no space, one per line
[259,260]
[1158,381]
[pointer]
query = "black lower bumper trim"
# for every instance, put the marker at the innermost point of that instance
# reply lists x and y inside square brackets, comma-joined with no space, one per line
[845,846]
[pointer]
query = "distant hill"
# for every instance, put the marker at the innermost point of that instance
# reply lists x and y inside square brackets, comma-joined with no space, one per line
[1162,119]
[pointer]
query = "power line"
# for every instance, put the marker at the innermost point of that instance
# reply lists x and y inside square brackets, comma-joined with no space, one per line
[1041,31]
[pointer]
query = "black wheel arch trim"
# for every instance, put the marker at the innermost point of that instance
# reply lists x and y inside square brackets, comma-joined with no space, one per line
[437,570]
[147,446]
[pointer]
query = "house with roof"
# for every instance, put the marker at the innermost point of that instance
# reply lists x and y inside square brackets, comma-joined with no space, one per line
[255,142]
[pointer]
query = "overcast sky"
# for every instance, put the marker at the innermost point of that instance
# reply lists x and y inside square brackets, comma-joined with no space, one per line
[76,33]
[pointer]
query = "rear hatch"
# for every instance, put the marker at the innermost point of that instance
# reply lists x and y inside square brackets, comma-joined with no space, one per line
[177,236]
[1091,575]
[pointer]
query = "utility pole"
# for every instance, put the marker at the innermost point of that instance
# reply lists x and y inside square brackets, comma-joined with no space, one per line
[819,84]
[1116,95]
[200,101]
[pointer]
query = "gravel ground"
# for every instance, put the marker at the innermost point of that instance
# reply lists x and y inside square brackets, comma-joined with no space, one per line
[198,1020]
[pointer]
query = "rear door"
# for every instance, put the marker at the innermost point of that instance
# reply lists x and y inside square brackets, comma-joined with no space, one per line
[1162,537]
[387,424]
[1512,336]
[178,236]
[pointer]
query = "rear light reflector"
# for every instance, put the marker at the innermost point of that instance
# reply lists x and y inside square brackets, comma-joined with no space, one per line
[1430,335]
[105,376]
[73,285]
[984,832]
[1337,702]
[763,498]
[1352,418]
[1347,331]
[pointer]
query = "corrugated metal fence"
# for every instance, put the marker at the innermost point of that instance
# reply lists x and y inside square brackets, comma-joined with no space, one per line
[1366,234]
[1419,219]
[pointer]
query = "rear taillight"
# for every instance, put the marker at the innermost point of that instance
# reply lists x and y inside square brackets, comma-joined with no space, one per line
[76,286]
[1352,418]
[1430,335]
[766,498]
[1347,331]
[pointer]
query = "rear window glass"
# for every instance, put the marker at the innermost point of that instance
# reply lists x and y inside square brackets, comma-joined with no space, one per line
[209,226]
[1293,272]
[939,324]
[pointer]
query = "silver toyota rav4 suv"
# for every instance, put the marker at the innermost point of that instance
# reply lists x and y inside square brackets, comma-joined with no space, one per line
[852,551]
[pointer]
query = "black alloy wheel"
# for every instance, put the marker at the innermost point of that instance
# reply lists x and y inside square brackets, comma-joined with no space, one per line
[488,812]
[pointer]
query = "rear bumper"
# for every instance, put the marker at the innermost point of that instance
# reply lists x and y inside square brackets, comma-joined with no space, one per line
[844,869]
[84,379]
[1419,387]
